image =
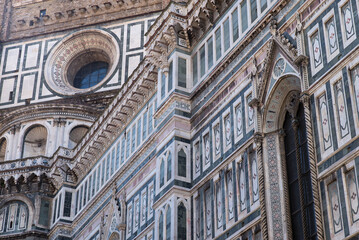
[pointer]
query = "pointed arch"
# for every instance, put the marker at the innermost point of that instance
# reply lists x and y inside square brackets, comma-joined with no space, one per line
[169,166]
[27,202]
[162,172]
[3,147]
[181,221]
[168,223]
[301,202]
[160,226]
[283,151]
[274,110]
[182,163]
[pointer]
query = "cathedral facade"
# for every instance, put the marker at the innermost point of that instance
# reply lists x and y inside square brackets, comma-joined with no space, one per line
[183,119]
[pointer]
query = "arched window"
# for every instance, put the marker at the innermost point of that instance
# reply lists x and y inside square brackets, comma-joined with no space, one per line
[34,142]
[162,173]
[181,222]
[168,223]
[76,134]
[182,163]
[169,166]
[298,177]
[3,145]
[16,215]
[160,227]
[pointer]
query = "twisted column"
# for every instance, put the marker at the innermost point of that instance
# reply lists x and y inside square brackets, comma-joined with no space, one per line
[259,151]
[313,167]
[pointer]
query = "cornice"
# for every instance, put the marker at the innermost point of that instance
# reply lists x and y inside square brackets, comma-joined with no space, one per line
[88,108]
[72,15]
[138,89]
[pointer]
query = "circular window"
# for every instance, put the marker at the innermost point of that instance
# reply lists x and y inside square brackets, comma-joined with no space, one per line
[90,75]
[82,62]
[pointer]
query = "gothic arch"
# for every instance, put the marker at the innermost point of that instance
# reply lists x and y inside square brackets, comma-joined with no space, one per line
[3,149]
[284,97]
[274,106]
[27,202]
[277,205]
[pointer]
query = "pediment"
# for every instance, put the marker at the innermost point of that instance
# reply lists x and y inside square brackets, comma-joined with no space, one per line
[280,67]
[281,59]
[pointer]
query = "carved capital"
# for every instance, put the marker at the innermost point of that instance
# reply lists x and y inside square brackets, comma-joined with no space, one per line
[295,124]
[258,138]
[59,122]
[302,61]
[15,128]
[281,134]
[304,98]
[254,103]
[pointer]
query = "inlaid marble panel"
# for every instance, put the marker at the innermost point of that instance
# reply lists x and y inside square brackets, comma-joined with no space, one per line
[208,211]
[242,186]
[325,124]
[335,207]
[230,194]
[12,58]
[341,109]
[316,49]
[353,195]
[219,204]
[32,56]
[348,20]
[22,217]
[332,35]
